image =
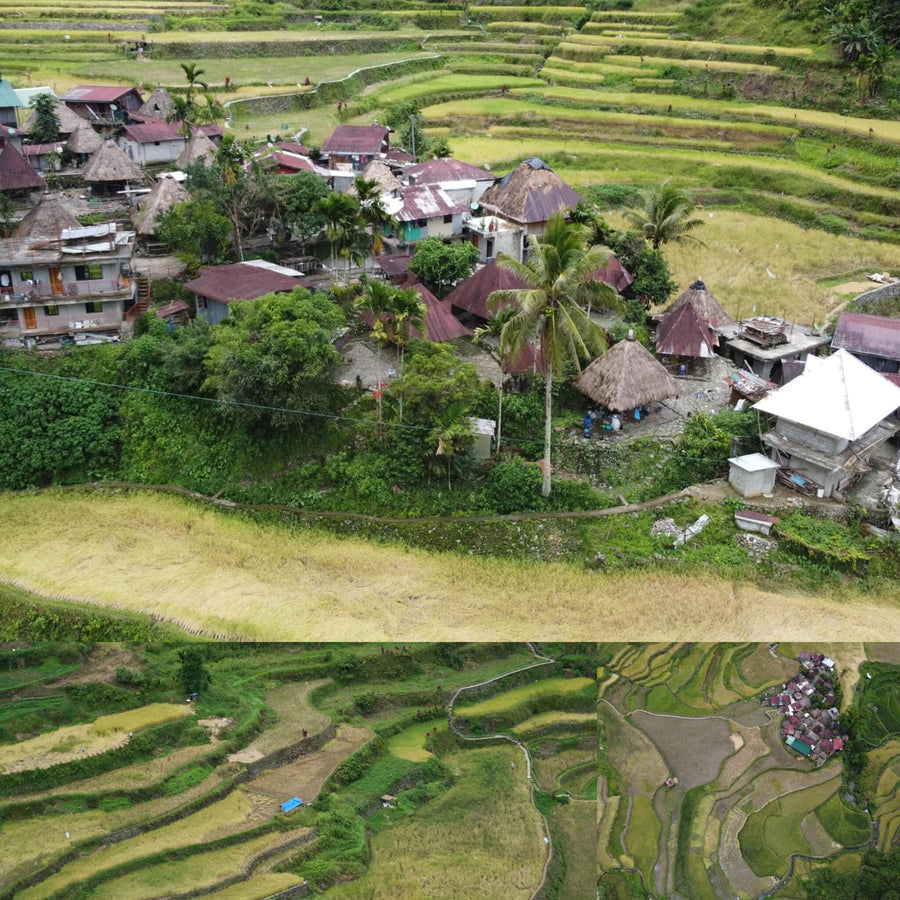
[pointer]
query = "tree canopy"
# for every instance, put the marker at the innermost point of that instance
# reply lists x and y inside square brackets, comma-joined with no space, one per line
[665,216]
[276,351]
[440,266]
[45,129]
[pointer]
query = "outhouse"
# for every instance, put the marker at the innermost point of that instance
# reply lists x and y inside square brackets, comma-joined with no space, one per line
[752,474]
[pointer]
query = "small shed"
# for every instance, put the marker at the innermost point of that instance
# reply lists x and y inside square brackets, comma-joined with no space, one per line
[484,431]
[752,474]
[757,522]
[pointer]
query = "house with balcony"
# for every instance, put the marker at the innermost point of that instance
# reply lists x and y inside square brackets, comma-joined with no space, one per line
[103,104]
[65,285]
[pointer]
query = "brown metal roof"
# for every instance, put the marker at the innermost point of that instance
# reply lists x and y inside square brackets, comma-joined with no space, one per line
[472,294]
[356,139]
[684,333]
[426,202]
[395,264]
[436,171]
[440,323]
[153,132]
[614,273]
[705,305]
[16,173]
[530,194]
[241,282]
[869,335]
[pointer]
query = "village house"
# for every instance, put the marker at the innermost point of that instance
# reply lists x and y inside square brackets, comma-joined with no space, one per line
[462,182]
[9,103]
[829,422]
[355,146]
[764,344]
[808,702]
[423,212]
[527,198]
[16,175]
[875,340]
[44,157]
[102,104]
[65,284]
[218,286]
[152,144]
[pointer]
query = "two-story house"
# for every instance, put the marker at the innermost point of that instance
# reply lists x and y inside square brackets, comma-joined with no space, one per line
[66,284]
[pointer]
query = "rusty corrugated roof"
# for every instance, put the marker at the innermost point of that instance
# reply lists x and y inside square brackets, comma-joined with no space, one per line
[867,334]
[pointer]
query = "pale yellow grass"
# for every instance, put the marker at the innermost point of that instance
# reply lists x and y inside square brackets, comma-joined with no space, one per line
[509,699]
[738,248]
[128,777]
[485,842]
[230,577]
[258,887]
[291,702]
[548,769]
[215,821]
[607,812]
[553,718]
[74,741]
[201,871]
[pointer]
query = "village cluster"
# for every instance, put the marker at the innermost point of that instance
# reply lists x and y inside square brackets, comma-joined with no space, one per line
[61,282]
[811,724]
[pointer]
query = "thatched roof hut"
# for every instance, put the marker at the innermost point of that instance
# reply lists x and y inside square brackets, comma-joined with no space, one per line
[705,305]
[472,294]
[69,120]
[47,217]
[529,195]
[110,165]
[83,140]
[16,173]
[378,172]
[165,194]
[627,377]
[157,106]
[199,149]
[684,333]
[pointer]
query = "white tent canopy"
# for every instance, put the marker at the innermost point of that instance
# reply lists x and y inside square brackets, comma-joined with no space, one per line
[840,396]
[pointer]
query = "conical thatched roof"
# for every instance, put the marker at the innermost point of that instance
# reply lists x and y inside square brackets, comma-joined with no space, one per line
[705,305]
[69,121]
[531,193]
[84,139]
[158,104]
[110,164]
[684,333]
[377,171]
[628,376]
[16,173]
[165,194]
[48,217]
[199,149]
[472,294]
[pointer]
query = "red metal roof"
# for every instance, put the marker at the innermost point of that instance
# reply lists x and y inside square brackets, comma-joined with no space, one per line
[472,294]
[171,309]
[241,282]
[96,93]
[684,333]
[394,265]
[153,132]
[41,149]
[16,173]
[869,335]
[359,139]
[440,323]
[614,273]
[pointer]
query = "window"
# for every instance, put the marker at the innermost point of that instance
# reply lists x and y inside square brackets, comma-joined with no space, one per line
[90,272]
[51,310]
[6,281]
[26,276]
[93,306]
[201,302]
[448,219]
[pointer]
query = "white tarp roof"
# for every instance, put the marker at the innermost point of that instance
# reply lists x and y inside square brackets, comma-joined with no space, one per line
[839,395]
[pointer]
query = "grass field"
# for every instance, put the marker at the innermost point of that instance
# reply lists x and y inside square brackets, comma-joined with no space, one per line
[485,819]
[541,720]
[574,826]
[241,579]
[410,743]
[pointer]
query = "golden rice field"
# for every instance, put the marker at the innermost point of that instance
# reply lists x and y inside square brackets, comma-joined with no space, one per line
[509,699]
[227,576]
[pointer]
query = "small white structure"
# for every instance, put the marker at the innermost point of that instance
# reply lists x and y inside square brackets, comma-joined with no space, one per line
[757,522]
[484,430]
[752,474]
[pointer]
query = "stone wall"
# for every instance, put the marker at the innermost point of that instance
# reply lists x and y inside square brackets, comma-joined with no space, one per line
[286,755]
[872,298]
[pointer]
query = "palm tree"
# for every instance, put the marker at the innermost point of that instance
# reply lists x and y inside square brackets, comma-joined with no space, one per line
[559,278]
[343,225]
[192,74]
[408,311]
[665,216]
[372,209]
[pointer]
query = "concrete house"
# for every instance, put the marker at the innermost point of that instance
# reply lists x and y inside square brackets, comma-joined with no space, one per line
[423,212]
[103,104]
[460,181]
[65,284]
[355,146]
[218,286]
[829,422]
[152,144]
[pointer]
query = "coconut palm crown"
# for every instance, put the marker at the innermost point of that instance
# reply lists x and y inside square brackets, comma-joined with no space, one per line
[665,216]
[559,279]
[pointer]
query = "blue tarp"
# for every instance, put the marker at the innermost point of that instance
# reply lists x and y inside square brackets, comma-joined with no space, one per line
[293,803]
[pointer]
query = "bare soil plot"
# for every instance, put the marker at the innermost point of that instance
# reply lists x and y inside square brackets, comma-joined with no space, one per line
[305,776]
[753,747]
[694,749]
[889,653]
[291,702]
